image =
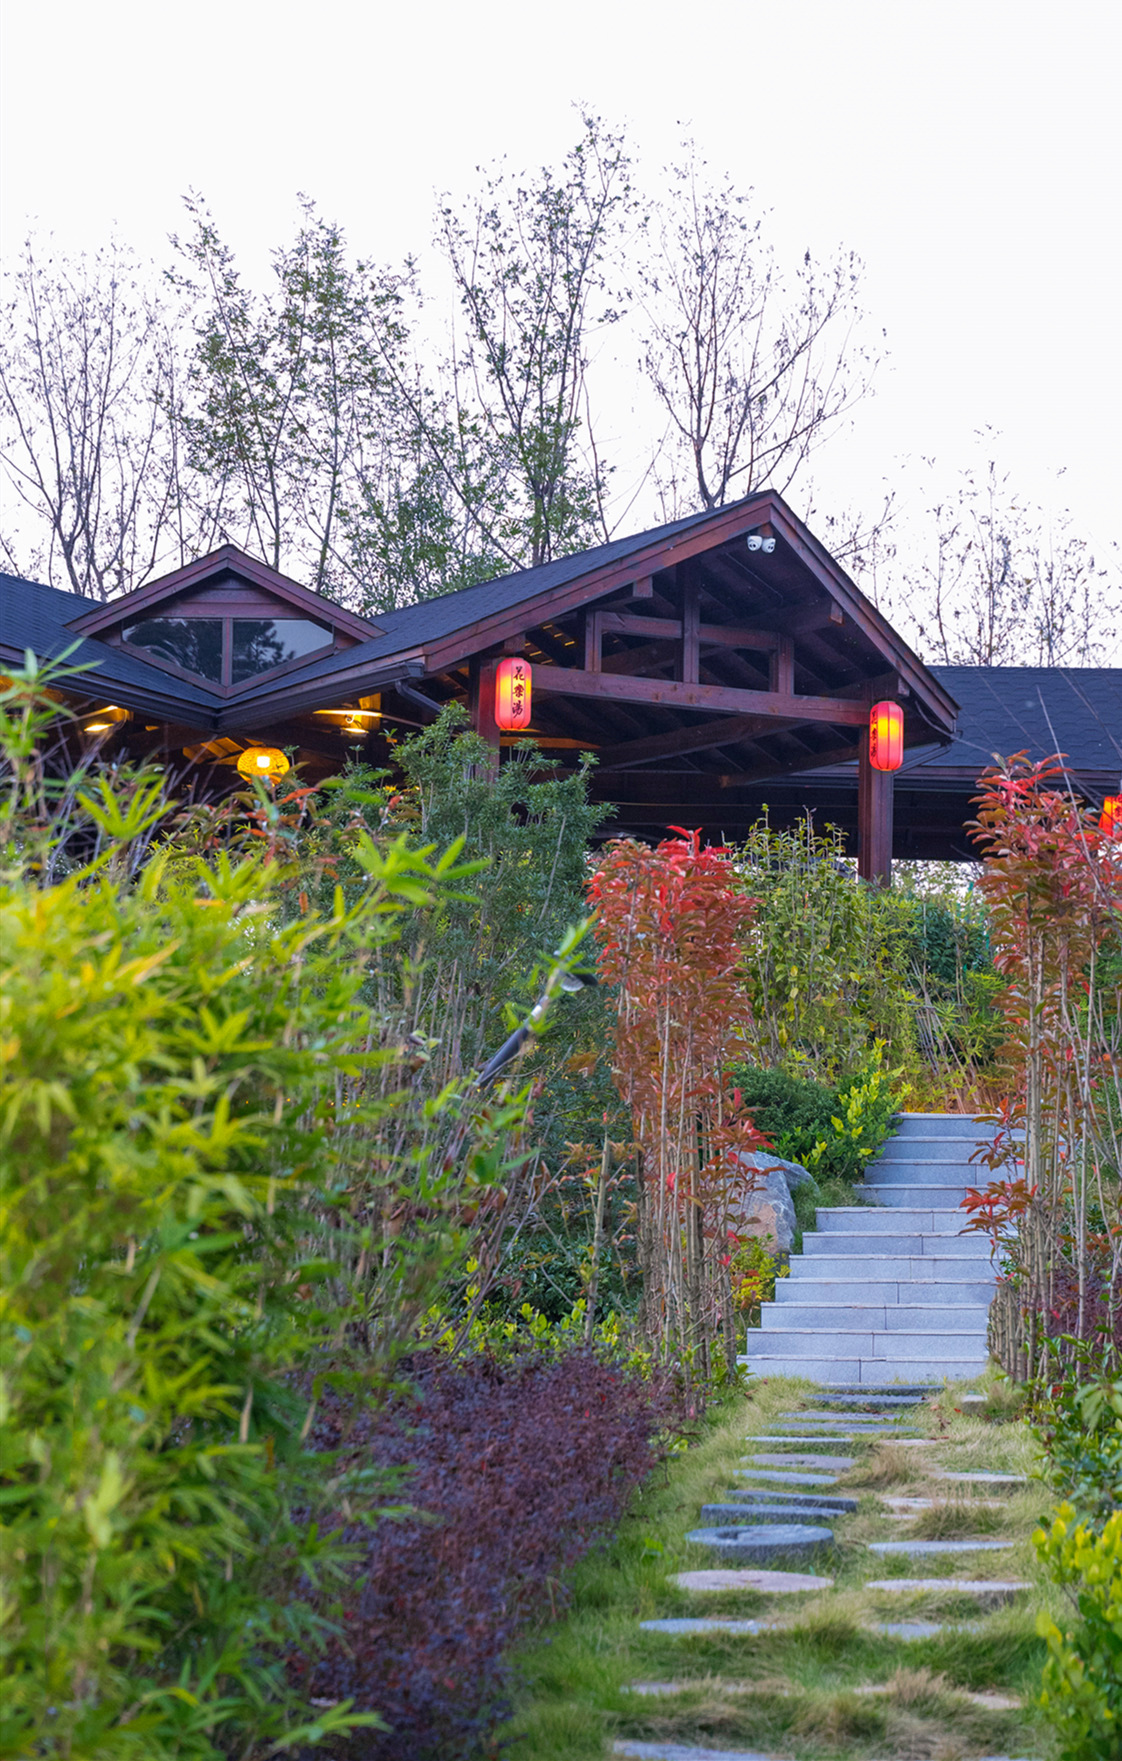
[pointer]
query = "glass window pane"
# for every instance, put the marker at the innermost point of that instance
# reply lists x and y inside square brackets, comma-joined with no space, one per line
[261,643]
[192,643]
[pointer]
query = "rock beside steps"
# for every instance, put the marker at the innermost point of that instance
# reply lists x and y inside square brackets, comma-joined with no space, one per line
[892,1293]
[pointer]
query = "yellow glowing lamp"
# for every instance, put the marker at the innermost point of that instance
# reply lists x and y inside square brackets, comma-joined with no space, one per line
[263,761]
[514,686]
[886,736]
[104,719]
[1110,819]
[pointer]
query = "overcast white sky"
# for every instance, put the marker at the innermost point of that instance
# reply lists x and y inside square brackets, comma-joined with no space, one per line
[968,151]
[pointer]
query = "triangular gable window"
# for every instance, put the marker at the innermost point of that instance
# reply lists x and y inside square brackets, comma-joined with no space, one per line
[226,627]
[229,651]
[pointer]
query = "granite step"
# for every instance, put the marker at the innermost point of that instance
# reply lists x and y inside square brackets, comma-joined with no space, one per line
[859,1317]
[874,1372]
[892,1292]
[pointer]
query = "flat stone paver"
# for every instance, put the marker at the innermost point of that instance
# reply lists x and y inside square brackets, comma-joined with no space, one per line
[769,1583]
[685,1752]
[840,1463]
[1003,1587]
[890,1402]
[763,1542]
[749,1497]
[866,1420]
[786,1479]
[904,1506]
[980,1479]
[739,1515]
[920,1629]
[919,1548]
[684,1626]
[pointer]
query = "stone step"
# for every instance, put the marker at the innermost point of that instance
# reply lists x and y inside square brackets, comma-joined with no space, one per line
[796,1342]
[901,1197]
[916,1390]
[869,1220]
[881,1268]
[872,1292]
[900,1241]
[915,1169]
[927,1149]
[942,1125]
[871,1372]
[780,1317]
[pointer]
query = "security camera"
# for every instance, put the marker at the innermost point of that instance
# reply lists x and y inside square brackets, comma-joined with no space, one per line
[767,546]
[755,542]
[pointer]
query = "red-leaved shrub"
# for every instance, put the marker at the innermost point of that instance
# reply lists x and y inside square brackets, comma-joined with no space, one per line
[519,1468]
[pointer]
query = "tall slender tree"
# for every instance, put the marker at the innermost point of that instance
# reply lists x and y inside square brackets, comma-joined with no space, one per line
[90,382]
[532,263]
[753,368]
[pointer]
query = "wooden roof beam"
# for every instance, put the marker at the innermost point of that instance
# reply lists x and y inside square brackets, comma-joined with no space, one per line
[680,694]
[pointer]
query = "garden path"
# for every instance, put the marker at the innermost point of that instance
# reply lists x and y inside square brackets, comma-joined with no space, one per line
[839,1655]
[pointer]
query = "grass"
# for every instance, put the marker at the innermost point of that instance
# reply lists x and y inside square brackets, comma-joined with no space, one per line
[795,1691]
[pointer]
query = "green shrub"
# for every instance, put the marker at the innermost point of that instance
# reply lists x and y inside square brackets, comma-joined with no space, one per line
[1082,1694]
[208,1194]
[832,1131]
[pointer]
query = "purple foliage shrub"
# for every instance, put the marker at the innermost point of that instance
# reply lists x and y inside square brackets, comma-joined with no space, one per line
[519,1466]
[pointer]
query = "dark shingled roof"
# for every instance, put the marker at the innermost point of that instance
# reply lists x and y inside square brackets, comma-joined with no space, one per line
[33,616]
[1003,710]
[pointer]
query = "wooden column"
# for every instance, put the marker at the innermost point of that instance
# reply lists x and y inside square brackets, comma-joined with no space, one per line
[781,666]
[691,633]
[593,640]
[482,706]
[874,819]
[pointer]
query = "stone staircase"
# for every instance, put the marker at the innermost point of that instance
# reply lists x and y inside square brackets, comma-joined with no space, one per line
[889,1291]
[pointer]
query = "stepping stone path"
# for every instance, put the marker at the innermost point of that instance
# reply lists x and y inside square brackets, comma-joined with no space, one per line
[767,1541]
[918,1548]
[769,1583]
[764,1522]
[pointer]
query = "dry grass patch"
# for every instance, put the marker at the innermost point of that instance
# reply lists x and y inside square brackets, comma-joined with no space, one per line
[958,1518]
[889,1465]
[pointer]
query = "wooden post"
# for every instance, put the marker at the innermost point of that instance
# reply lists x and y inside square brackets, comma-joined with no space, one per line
[691,631]
[781,667]
[874,819]
[593,640]
[482,706]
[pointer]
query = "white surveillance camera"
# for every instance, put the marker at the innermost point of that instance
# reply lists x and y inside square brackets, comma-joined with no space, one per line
[768,546]
[755,542]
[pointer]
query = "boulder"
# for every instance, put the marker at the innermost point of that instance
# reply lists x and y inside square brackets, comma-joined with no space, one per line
[768,1210]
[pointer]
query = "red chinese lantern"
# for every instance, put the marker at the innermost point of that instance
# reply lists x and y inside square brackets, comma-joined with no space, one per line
[1111,817]
[886,736]
[513,693]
